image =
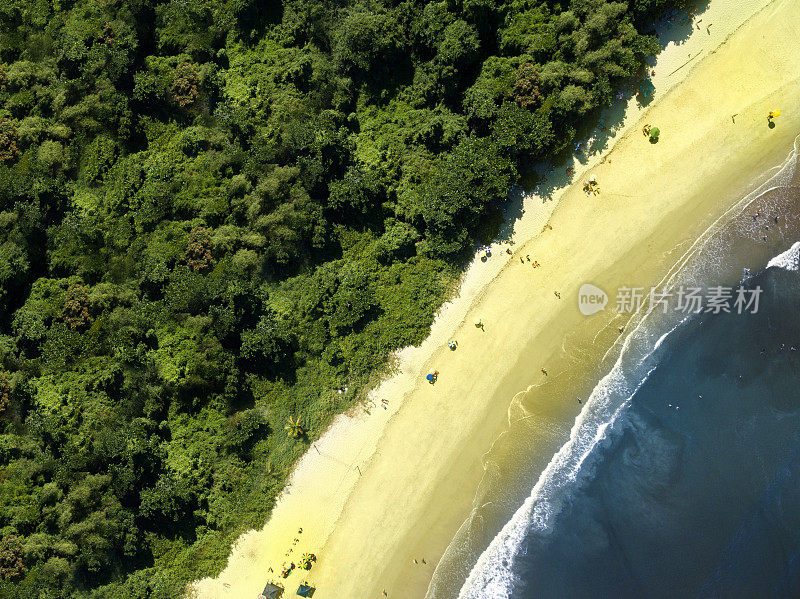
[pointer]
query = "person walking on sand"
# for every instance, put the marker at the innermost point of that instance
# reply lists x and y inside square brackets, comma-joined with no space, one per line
[558,295]
[544,372]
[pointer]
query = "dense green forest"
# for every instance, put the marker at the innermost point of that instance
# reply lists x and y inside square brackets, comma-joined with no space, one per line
[216,215]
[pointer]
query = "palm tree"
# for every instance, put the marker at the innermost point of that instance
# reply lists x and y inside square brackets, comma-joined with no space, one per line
[293,429]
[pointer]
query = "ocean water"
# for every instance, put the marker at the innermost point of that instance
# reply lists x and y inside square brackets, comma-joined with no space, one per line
[695,492]
[681,477]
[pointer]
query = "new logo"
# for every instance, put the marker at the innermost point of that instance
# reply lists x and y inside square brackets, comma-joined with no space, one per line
[591,299]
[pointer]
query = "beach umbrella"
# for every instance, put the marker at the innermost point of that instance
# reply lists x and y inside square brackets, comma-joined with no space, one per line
[775,113]
[429,376]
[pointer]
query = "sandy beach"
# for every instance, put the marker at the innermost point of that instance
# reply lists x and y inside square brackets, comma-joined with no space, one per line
[385,489]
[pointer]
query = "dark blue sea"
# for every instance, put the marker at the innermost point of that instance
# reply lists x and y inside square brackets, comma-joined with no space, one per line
[696,492]
[681,477]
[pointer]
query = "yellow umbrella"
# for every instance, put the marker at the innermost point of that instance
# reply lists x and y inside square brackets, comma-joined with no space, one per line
[774,114]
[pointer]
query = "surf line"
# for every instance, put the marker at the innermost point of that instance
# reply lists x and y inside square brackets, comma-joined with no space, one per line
[685,63]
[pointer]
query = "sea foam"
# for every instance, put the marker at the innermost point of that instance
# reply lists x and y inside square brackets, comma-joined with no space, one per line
[788,260]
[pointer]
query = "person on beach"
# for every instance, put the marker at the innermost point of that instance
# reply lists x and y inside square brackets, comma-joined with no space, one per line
[579,400]
[479,323]
[521,260]
[508,251]
[646,130]
[528,258]
[452,345]
[544,372]
[557,294]
[733,117]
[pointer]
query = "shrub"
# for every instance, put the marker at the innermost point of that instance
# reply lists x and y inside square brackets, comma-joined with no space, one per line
[11,557]
[5,392]
[76,309]
[8,140]
[526,87]
[198,252]
[185,85]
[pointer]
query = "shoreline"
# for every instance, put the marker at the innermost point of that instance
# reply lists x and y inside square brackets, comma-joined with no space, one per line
[706,245]
[360,496]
